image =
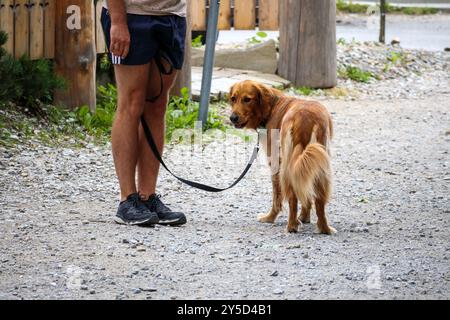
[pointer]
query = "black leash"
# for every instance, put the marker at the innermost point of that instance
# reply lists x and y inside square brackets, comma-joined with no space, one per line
[154,148]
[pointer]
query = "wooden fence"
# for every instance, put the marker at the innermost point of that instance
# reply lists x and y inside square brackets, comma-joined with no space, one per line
[30,24]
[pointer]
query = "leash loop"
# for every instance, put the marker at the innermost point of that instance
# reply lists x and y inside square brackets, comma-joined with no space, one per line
[200,186]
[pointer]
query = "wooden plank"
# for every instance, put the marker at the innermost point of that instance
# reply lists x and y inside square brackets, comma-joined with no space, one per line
[268,14]
[36,30]
[21,29]
[99,36]
[308,43]
[244,14]
[7,23]
[198,11]
[75,55]
[225,15]
[49,7]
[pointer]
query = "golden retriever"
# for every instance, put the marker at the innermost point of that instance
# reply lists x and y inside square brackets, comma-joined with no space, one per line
[305,130]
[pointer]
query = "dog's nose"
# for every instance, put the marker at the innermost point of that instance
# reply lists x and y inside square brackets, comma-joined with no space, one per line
[234,118]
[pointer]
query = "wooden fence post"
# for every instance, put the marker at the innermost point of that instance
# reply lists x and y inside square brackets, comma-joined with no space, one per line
[308,43]
[184,77]
[75,55]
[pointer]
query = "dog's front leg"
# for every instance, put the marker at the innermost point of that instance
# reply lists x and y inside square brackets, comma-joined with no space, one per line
[277,202]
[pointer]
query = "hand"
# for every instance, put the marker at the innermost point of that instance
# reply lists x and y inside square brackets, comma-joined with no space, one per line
[120,40]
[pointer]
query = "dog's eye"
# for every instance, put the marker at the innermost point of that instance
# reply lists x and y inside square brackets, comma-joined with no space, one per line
[233,99]
[247,99]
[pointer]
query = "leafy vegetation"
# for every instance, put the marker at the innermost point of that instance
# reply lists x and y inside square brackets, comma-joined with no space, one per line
[350,7]
[258,38]
[197,42]
[355,74]
[305,91]
[182,113]
[24,81]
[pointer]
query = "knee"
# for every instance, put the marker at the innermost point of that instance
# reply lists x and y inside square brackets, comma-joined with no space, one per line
[131,105]
[157,109]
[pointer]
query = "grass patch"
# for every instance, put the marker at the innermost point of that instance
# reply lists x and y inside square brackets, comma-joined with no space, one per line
[350,7]
[258,38]
[197,42]
[56,126]
[355,74]
[304,91]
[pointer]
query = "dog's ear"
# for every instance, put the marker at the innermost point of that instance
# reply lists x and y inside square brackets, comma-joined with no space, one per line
[265,96]
[232,92]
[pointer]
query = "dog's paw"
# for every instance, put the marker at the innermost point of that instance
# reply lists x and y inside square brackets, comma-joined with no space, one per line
[266,218]
[325,230]
[304,219]
[292,228]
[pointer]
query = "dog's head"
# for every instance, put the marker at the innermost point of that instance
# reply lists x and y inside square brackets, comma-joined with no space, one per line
[251,104]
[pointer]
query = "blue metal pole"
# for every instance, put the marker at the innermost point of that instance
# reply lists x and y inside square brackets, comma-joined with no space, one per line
[208,64]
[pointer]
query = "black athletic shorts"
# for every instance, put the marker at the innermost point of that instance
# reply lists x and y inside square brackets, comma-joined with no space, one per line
[152,37]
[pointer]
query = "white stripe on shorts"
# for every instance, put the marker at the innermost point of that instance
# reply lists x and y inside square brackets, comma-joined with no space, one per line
[116,59]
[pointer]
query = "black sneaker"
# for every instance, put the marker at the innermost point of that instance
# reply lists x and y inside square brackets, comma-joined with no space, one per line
[166,216]
[133,212]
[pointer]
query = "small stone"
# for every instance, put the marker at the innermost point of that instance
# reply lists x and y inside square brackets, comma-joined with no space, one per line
[137,291]
[274,274]
[278,291]
[92,291]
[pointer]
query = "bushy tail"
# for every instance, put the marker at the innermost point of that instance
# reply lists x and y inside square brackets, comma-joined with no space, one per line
[310,173]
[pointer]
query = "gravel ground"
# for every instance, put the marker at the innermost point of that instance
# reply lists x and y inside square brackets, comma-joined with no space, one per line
[390,207]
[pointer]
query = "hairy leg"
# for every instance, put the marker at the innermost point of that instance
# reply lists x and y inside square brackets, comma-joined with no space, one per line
[154,113]
[305,214]
[293,221]
[322,222]
[131,88]
[277,202]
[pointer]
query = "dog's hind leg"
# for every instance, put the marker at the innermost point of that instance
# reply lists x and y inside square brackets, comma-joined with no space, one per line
[305,214]
[277,202]
[293,222]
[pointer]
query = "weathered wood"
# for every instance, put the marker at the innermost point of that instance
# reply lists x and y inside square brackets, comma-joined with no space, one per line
[7,23]
[36,30]
[268,14]
[244,14]
[21,29]
[75,55]
[308,42]
[49,7]
[99,36]
[184,77]
[225,15]
[198,12]
[382,21]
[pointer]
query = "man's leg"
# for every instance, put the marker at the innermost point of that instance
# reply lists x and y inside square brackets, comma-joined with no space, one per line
[132,90]
[148,166]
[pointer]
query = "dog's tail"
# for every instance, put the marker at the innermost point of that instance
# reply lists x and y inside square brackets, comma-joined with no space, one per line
[309,172]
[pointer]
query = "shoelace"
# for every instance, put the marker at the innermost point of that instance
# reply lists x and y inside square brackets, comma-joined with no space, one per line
[156,203]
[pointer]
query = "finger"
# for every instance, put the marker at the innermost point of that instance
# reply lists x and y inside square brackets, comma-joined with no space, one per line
[126,50]
[117,49]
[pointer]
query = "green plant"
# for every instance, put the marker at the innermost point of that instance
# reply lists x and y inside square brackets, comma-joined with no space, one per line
[25,81]
[100,122]
[355,74]
[341,41]
[197,42]
[182,113]
[258,38]
[350,7]
[306,91]
[38,81]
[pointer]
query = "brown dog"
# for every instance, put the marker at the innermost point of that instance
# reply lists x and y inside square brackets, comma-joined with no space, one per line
[305,131]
